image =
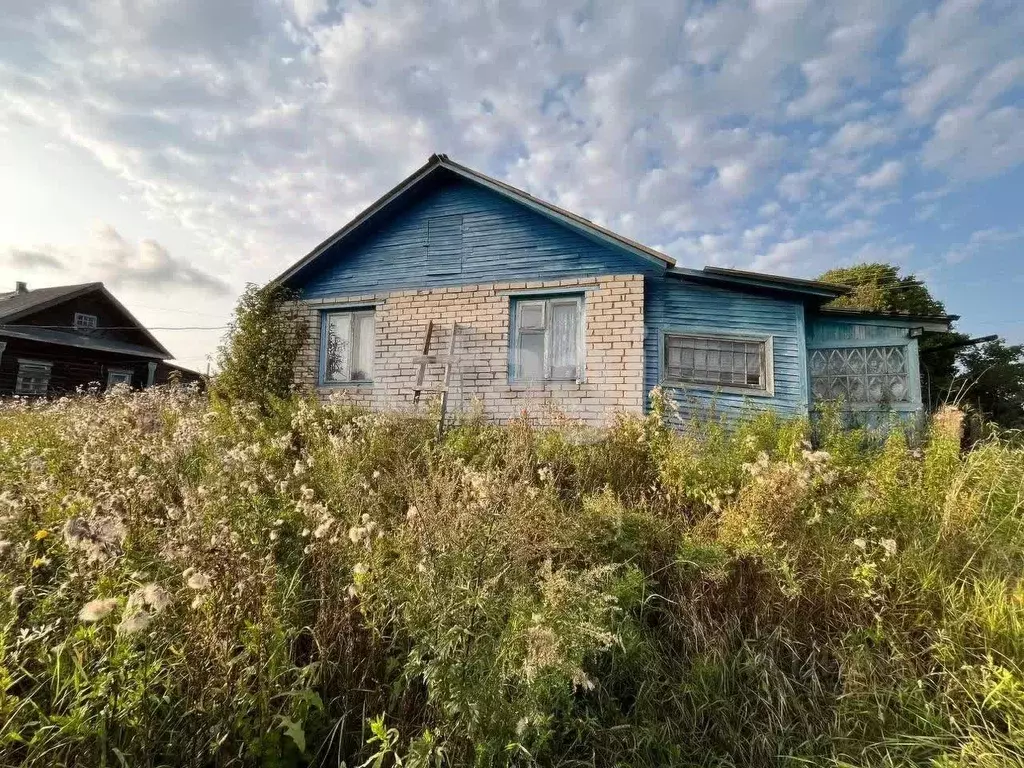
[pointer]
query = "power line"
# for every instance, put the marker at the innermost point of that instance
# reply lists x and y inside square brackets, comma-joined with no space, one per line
[122,327]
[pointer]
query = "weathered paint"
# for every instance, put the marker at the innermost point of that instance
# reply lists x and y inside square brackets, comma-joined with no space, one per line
[458,233]
[672,304]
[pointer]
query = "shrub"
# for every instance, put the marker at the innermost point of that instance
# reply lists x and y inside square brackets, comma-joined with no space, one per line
[291,582]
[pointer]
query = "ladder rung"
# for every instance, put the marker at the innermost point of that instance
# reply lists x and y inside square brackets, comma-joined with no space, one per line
[426,389]
[421,359]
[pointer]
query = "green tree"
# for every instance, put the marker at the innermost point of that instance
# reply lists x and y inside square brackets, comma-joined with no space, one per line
[992,379]
[257,356]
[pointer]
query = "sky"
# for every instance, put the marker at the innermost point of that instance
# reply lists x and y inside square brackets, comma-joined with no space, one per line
[179,150]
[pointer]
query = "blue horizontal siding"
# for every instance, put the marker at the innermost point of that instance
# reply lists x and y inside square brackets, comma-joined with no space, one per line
[675,305]
[827,332]
[459,233]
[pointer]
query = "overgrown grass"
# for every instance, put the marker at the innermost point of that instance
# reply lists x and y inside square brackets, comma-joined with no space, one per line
[307,584]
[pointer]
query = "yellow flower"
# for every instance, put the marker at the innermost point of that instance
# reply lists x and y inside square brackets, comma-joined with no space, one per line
[39,562]
[41,534]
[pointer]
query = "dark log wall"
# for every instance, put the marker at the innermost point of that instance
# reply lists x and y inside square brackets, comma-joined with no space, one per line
[72,367]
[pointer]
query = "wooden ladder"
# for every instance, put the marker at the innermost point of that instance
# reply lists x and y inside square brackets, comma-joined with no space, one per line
[424,359]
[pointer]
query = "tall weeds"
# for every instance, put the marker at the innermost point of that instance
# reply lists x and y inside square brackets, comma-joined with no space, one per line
[188,583]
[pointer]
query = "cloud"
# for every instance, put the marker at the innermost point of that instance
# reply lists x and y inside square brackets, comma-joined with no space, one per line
[759,134]
[24,259]
[886,175]
[115,261]
[993,237]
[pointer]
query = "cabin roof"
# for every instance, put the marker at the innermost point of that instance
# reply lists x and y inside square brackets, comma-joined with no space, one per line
[14,306]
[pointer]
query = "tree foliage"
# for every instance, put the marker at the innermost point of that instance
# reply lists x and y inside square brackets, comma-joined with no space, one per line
[257,357]
[993,379]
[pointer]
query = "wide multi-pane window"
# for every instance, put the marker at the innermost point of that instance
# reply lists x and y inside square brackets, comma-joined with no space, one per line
[877,374]
[717,361]
[347,347]
[547,339]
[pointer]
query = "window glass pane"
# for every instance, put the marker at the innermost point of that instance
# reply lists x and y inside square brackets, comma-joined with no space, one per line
[531,314]
[338,352]
[564,340]
[362,345]
[856,374]
[716,361]
[531,355]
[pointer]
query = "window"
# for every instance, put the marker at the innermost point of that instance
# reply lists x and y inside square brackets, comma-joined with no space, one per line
[861,374]
[719,361]
[347,347]
[547,339]
[117,376]
[86,322]
[33,378]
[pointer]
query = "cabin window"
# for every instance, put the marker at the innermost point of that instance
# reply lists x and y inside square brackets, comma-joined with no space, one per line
[84,322]
[722,362]
[347,347]
[877,374]
[117,376]
[547,339]
[33,378]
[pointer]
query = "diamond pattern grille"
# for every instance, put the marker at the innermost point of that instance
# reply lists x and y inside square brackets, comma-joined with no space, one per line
[860,374]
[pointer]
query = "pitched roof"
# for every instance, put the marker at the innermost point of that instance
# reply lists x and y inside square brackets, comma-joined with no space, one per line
[14,306]
[81,341]
[440,163]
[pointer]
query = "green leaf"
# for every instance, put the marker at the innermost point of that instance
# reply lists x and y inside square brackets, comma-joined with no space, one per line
[294,731]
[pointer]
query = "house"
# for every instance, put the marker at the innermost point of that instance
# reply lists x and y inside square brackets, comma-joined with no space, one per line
[553,313]
[55,340]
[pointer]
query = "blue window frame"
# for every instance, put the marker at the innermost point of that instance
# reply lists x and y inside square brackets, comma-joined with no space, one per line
[546,343]
[346,346]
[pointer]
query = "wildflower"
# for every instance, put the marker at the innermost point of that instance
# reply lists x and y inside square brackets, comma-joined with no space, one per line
[376,474]
[41,534]
[135,622]
[889,545]
[861,544]
[95,610]
[360,569]
[16,594]
[156,597]
[412,514]
[305,533]
[198,581]
[40,562]
[323,528]
[355,534]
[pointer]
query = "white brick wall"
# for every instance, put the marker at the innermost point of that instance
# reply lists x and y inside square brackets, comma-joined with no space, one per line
[614,315]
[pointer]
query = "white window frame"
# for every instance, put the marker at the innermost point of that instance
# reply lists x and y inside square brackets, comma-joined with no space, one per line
[25,371]
[115,376]
[85,322]
[768,368]
[355,313]
[546,303]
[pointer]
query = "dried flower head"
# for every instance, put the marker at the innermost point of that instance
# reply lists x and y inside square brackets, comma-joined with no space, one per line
[134,622]
[95,610]
[198,581]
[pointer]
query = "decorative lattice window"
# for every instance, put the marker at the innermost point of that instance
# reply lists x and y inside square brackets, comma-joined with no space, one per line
[861,374]
[718,361]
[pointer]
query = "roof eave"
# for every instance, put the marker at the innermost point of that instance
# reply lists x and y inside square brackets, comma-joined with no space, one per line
[930,323]
[818,294]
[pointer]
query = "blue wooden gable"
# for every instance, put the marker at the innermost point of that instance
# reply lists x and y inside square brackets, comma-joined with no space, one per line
[456,232]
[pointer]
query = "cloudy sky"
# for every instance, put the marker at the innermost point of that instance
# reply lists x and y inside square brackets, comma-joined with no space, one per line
[179,149]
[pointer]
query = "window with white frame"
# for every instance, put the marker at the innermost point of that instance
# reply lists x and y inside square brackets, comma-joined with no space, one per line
[33,377]
[84,322]
[117,376]
[348,342]
[724,362]
[547,339]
